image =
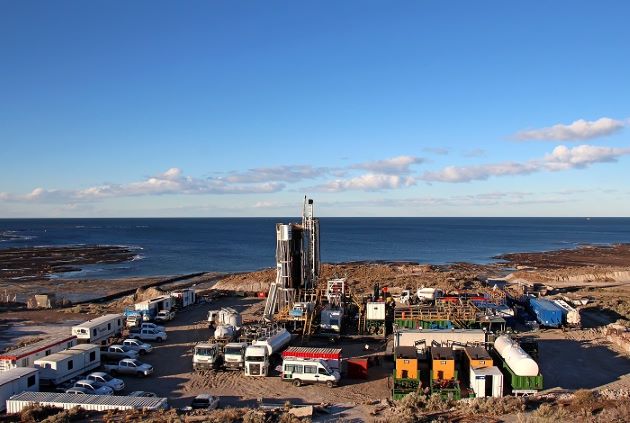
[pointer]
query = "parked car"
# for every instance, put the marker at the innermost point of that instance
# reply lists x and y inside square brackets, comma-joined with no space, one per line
[205,401]
[144,394]
[77,391]
[116,384]
[148,325]
[138,345]
[94,388]
[130,366]
[164,316]
[147,335]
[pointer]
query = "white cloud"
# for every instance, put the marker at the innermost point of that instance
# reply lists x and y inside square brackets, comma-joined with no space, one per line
[579,130]
[169,182]
[396,165]
[366,182]
[293,173]
[561,158]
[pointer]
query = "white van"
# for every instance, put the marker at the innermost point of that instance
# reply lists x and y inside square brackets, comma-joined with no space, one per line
[301,371]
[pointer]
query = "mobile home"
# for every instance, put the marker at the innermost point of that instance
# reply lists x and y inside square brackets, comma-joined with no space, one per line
[26,356]
[17,380]
[99,330]
[63,366]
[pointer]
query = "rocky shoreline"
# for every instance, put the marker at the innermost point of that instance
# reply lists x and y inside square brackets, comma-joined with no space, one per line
[43,262]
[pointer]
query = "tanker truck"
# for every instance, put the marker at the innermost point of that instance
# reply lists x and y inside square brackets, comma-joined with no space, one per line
[258,355]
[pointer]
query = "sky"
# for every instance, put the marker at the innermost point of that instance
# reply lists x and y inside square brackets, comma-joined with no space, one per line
[372,108]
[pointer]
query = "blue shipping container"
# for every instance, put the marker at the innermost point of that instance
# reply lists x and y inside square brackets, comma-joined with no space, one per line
[547,313]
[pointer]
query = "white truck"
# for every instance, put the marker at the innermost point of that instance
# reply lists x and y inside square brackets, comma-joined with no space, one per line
[234,355]
[17,380]
[117,352]
[148,335]
[258,355]
[130,366]
[138,345]
[300,371]
[207,356]
[99,330]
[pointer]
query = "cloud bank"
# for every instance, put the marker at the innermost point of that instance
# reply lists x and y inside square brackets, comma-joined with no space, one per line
[578,130]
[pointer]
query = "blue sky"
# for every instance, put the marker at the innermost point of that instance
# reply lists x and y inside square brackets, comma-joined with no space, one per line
[239,108]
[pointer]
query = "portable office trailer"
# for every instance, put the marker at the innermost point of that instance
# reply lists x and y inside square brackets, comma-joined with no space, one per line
[486,382]
[87,402]
[184,297]
[26,356]
[99,330]
[438,337]
[17,380]
[442,363]
[63,366]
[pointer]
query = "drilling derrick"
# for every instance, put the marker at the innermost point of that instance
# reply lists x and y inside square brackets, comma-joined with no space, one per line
[310,256]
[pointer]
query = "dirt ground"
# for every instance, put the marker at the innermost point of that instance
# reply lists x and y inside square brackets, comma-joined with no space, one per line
[175,379]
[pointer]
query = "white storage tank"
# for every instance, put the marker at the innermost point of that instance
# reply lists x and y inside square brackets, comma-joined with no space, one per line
[224,332]
[276,342]
[519,361]
[284,232]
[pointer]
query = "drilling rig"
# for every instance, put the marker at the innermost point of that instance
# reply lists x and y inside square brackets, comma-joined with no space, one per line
[294,295]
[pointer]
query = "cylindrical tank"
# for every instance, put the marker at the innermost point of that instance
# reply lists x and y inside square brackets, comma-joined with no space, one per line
[284,232]
[224,332]
[276,342]
[234,319]
[519,361]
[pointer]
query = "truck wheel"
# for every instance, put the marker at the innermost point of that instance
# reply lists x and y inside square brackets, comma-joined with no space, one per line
[297,382]
[330,384]
[159,339]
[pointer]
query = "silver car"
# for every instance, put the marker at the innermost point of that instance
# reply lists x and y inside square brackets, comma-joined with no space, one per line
[116,384]
[94,388]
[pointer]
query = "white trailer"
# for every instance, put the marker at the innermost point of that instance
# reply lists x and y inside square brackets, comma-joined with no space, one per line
[486,382]
[26,356]
[184,297]
[99,330]
[16,381]
[85,401]
[63,366]
[150,308]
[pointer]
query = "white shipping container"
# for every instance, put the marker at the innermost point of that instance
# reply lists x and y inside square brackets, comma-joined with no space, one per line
[486,382]
[87,402]
[26,356]
[375,311]
[17,380]
[99,330]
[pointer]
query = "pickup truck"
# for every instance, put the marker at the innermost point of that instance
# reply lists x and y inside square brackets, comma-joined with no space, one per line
[147,335]
[131,367]
[117,352]
[153,326]
[164,316]
[138,345]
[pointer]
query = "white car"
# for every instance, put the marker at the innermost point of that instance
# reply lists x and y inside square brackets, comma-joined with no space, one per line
[205,402]
[116,384]
[138,345]
[77,391]
[94,388]
[164,316]
[131,367]
[143,394]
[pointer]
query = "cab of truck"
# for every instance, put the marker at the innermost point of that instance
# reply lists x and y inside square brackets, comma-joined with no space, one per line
[234,355]
[256,361]
[300,371]
[206,356]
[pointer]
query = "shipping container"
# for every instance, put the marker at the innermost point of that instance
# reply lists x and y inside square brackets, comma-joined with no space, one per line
[17,380]
[547,313]
[88,402]
[357,368]
[184,297]
[26,356]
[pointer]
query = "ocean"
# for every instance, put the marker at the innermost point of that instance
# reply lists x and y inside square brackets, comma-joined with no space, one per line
[188,245]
